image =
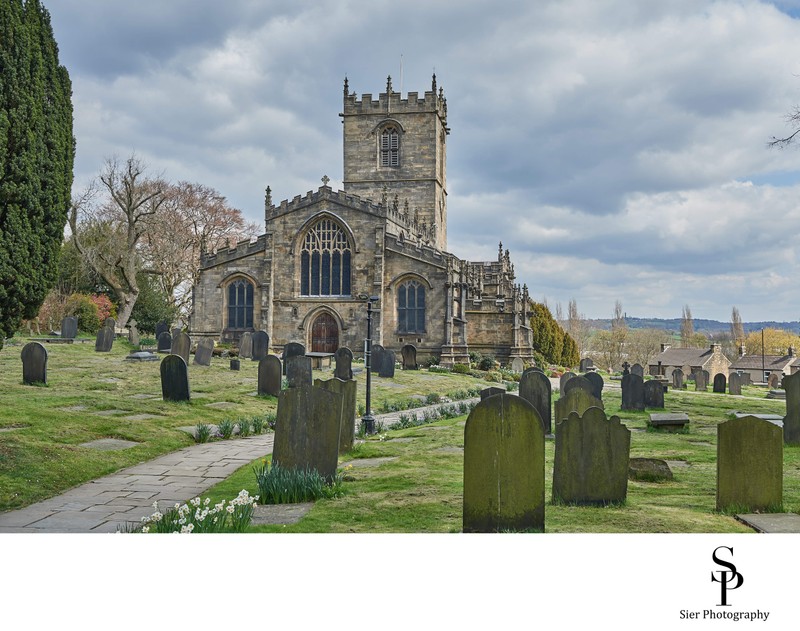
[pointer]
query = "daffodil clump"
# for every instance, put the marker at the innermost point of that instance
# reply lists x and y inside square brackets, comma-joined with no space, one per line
[199,516]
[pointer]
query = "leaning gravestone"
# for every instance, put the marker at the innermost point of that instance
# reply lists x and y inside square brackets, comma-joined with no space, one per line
[344,363]
[260,345]
[203,352]
[69,328]
[586,364]
[307,430]
[536,389]
[653,394]
[347,390]
[701,380]
[386,369]
[791,422]
[632,392]
[246,345]
[105,340]
[591,459]
[164,342]
[376,357]
[409,354]
[719,383]
[517,365]
[576,400]
[749,465]
[270,374]
[774,381]
[597,383]
[162,327]
[174,379]
[503,466]
[677,379]
[298,371]
[564,379]
[735,383]
[34,363]
[181,345]
[578,382]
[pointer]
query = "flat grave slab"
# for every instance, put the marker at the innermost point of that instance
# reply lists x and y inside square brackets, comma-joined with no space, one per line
[222,405]
[279,513]
[142,356]
[140,417]
[109,444]
[110,412]
[772,522]
[776,394]
[145,396]
[776,419]
[669,422]
[360,463]
[74,408]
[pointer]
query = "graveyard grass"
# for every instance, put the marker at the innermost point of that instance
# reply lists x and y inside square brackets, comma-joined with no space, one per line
[415,487]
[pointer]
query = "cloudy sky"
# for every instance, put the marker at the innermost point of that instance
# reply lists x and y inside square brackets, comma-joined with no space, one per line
[618,148]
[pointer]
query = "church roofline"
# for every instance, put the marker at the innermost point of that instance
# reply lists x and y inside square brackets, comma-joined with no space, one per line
[391,102]
[241,249]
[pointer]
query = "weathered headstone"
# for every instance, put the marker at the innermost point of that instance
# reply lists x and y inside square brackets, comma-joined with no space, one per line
[632,392]
[162,327]
[409,354]
[578,382]
[307,429]
[503,466]
[720,383]
[181,345]
[270,374]
[677,379]
[735,383]
[536,389]
[134,337]
[700,380]
[164,342]
[110,323]
[260,345]
[491,391]
[791,422]
[34,363]
[746,379]
[586,364]
[649,470]
[246,345]
[386,368]
[236,364]
[517,365]
[347,390]
[564,379]
[174,379]
[293,349]
[105,340]
[597,383]
[637,369]
[376,357]
[653,393]
[774,380]
[203,352]
[69,328]
[749,465]
[344,363]
[576,400]
[298,371]
[591,459]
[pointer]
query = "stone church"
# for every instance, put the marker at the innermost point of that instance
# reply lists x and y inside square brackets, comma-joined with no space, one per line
[323,254]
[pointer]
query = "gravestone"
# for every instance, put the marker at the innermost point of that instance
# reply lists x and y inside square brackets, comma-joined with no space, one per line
[34,363]
[164,342]
[298,371]
[246,345]
[105,340]
[386,369]
[653,394]
[649,470]
[700,380]
[720,383]
[503,466]
[174,379]
[134,337]
[69,328]
[677,379]
[578,382]
[586,364]
[746,380]
[774,380]
[409,355]
[270,374]
[591,459]
[236,364]
[632,392]
[637,369]
[532,369]
[749,465]
[110,323]
[517,365]
[347,429]
[735,383]
[536,389]
[669,421]
[260,346]
[564,379]
[791,422]
[597,383]
[175,331]
[162,327]
[181,345]
[344,363]
[576,400]
[307,429]
[491,391]
[203,352]
[376,357]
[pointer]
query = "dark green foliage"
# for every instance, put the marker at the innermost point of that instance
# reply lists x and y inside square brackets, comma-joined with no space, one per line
[550,340]
[82,307]
[486,362]
[152,305]
[37,151]
[570,357]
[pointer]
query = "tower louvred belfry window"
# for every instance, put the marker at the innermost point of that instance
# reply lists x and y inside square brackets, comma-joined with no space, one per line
[390,147]
[325,261]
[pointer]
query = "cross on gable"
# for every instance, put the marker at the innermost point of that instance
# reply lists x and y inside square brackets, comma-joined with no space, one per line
[325,180]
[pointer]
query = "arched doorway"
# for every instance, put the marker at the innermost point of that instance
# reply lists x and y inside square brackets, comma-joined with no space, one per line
[324,334]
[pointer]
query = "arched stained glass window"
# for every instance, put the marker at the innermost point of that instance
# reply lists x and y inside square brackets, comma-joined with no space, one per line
[411,307]
[325,261]
[240,305]
[390,147]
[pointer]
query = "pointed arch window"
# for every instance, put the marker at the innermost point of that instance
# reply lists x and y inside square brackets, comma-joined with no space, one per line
[325,261]
[411,307]
[240,305]
[390,147]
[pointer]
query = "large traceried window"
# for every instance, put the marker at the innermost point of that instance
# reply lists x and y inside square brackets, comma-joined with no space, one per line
[390,147]
[325,261]
[411,307]
[240,305]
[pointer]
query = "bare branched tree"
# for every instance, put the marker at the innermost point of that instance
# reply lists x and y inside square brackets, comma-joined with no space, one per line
[687,327]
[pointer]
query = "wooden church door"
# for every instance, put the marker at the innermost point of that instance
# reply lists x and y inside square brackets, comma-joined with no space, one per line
[324,334]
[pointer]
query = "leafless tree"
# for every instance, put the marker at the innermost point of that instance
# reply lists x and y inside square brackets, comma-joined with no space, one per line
[687,327]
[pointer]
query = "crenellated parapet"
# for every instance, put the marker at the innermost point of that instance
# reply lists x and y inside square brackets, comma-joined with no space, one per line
[391,101]
[240,250]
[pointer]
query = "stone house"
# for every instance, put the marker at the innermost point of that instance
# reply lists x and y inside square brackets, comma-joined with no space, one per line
[760,368]
[690,360]
[323,254]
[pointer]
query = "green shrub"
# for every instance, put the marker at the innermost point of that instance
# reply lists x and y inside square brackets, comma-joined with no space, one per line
[460,369]
[82,307]
[494,376]
[487,362]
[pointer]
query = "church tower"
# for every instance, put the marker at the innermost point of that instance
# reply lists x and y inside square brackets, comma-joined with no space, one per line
[395,151]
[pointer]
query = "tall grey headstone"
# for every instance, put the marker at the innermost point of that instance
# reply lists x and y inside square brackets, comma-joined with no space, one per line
[720,383]
[181,345]
[246,345]
[34,363]
[597,383]
[298,371]
[270,375]
[260,345]
[105,340]
[637,369]
[175,331]
[386,368]
[735,383]
[174,379]
[409,354]
[164,342]
[564,379]
[578,382]
[376,357]
[677,379]
[536,389]
[347,390]
[791,422]
[204,352]
[576,400]
[344,363]
[134,337]
[653,392]
[517,365]
[632,392]
[69,328]
[162,327]
[110,323]
[700,380]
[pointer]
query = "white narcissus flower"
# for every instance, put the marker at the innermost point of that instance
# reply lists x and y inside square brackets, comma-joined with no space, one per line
[146,529]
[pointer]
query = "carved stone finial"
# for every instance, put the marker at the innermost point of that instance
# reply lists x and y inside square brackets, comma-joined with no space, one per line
[433,83]
[268,198]
[405,205]
[396,203]
[389,84]
[384,196]
[500,252]
[346,86]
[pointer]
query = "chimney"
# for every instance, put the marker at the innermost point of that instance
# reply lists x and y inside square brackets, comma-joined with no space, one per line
[791,351]
[664,347]
[716,348]
[741,350]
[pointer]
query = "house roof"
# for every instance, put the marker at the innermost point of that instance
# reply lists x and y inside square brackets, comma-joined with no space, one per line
[771,362]
[683,357]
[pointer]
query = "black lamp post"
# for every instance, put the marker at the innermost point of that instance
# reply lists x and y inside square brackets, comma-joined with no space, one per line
[368,421]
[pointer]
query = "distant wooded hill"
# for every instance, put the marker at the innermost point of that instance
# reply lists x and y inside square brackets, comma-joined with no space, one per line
[709,328]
